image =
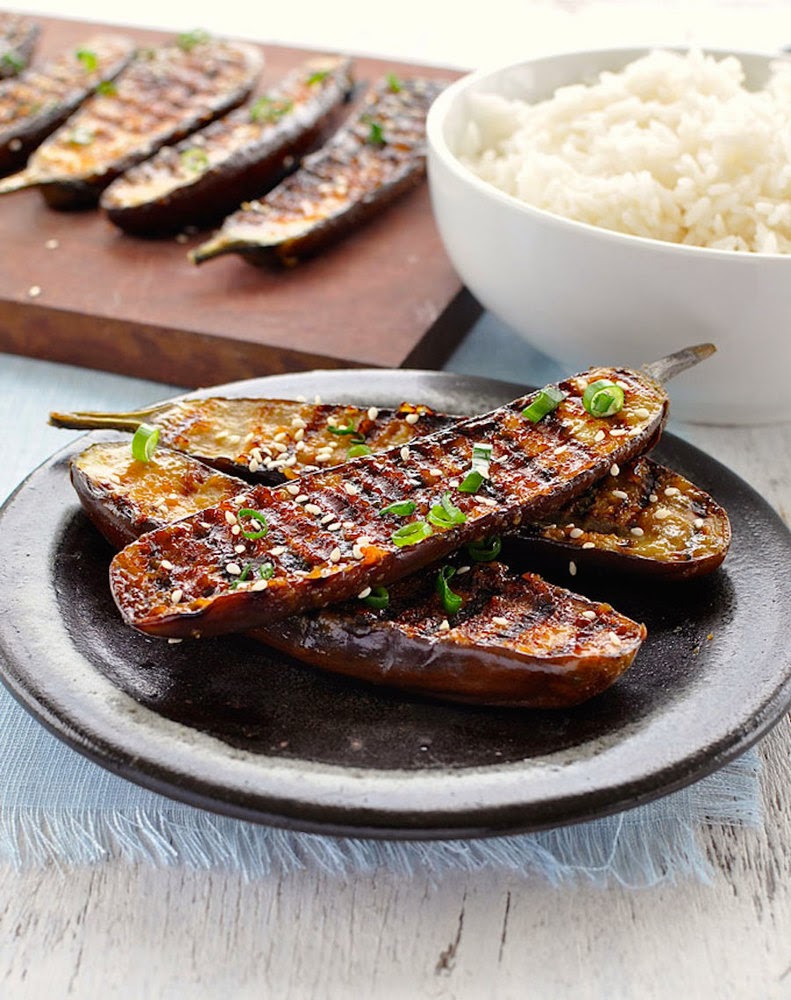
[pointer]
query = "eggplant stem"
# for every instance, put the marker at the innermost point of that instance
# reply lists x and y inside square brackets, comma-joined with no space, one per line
[87,420]
[668,367]
[16,182]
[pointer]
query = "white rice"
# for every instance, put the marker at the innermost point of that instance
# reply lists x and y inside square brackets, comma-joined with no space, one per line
[673,148]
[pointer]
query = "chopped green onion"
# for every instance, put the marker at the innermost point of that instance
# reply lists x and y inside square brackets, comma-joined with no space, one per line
[266,571]
[411,534]
[189,39]
[358,449]
[318,77]
[445,514]
[242,576]
[80,136]
[471,483]
[547,400]
[376,136]
[451,601]
[268,109]
[13,60]
[379,598]
[88,59]
[342,430]
[255,515]
[485,550]
[401,508]
[194,159]
[107,88]
[394,84]
[479,470]
[144,442]
[603,398]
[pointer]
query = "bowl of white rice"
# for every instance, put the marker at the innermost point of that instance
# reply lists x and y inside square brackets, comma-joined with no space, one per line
[613,206]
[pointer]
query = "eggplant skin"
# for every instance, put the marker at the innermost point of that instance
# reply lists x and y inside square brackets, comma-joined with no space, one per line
[207,175]
[374,159]
[517,641]
[328,549]
[18,37]
[164,94]
[40,100]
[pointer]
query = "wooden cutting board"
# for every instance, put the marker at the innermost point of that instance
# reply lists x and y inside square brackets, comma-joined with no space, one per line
[75,289]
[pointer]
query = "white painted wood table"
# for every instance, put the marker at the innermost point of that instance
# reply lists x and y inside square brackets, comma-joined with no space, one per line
[138,933]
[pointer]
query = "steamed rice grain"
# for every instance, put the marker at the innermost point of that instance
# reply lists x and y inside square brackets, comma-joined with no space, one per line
[672,148]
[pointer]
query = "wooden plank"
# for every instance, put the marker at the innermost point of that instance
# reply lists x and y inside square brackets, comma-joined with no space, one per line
[386,296]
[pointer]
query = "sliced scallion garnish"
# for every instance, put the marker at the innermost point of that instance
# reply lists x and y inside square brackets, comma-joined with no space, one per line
[80,136]
[144,442]
[194,159]
[479,468]
[107,88]
[342,430]
[471,483]
[266,571]
[317,77]
[254,515]
[269,109]
[379,598]
[89,59]
[546,400]
[451,601]
[446,514]
[189,39]
[376,135]
[358,449]
[401,508]
[394,84]
[411,534]
[603,398]
[242,576]
[13,60]
[485,550]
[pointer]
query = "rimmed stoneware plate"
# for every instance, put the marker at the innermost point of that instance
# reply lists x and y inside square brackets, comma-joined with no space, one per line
[227,726]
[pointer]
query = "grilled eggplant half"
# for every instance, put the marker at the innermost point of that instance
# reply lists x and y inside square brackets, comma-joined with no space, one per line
[336,532]
[514,641]
[367,164]
[18,37]
[38,101]
[164,94]
[206,176]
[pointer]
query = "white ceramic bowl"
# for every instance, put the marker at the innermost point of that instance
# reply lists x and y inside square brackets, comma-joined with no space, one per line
[585,295]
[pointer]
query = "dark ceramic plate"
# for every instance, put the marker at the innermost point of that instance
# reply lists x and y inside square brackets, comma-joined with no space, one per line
[228,726]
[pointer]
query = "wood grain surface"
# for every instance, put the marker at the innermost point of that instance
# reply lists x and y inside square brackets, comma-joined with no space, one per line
[386,296]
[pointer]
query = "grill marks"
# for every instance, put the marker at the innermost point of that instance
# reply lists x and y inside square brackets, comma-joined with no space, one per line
[336,573]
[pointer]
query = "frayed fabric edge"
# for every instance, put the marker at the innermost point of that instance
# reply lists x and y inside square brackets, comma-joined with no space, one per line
[652,844]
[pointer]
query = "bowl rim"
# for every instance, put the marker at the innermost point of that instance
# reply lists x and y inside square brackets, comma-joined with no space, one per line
[438,147]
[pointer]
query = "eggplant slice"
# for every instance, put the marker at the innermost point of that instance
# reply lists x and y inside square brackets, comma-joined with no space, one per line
[515,641]
[206,176]
[328,536]
[38,101]
[164,94]
[367,164]
[18,37]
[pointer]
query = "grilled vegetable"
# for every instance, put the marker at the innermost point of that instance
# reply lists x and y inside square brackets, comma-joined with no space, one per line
[39,100]
[647,519]
[329,548]
[18,36]
[270,439]
[163,95]
[362,169]
[514,641]
[207,175]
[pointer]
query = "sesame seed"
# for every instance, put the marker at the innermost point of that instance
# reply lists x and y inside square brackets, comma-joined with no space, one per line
[619,432]
[277,550]
[599,436]
[363,540]
[166,564]
[499,620]
[405,453]
[260,585]
[614,469]
[561,449]
[653,497]
[254,466]
[642,413]
[51,244]
[280,436]
[462,569]
[615,638]
[300,498]
[412,418]
[335,526]
[233,568]
[373,413]
[327,518]
[698,522]
[589,545]
[590,615]
[575,532]
[234,439]
[572,568]
[311,508]
[437,473]
[230,517]
[173,642]
[335,555]
[637,532]
[357,552]
[34,291]
[672,491]
[293,489]
[239,548]
[279,447]
[299,446]
[299,434]
[444,625]
[620,494]
[176,596]
[317,399]
[661,513]
[487,501]
[290,461]
[622,384]
[300,399]
[299,423]
[350,489]
[235,529]
[365,592]
[256,454]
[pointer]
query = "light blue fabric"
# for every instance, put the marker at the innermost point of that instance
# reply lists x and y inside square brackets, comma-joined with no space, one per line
[58,807]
